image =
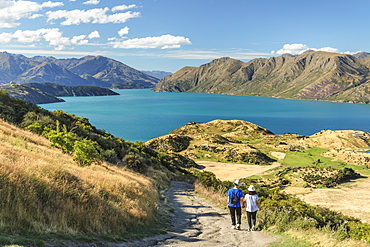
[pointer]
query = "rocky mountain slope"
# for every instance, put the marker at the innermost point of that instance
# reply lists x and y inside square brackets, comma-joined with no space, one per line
[311,75]
[43,93]
[87,71]
[157,73]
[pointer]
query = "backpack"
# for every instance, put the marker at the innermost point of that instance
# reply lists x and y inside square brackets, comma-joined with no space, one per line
[235,198]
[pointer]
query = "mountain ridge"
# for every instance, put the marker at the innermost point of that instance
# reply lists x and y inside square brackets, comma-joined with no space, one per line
[43,93]
[86,71]
[311,75]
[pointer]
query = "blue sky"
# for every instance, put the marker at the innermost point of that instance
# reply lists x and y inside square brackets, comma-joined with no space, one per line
[170,34]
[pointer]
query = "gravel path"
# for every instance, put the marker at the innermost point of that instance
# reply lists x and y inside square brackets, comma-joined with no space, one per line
[196,222]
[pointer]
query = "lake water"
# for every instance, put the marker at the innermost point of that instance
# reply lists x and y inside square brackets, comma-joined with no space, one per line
[141,114]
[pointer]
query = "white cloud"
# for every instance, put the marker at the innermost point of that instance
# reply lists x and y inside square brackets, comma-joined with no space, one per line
[297,49]
[12,11]
[35,16]
[123,7]
[6,37]
[164,42]
[53,36]
[80,39]
[98,15]
[28,36]
[292,49]
[94,34]
[49,4]
[123,31]
[92,2]
[328,49]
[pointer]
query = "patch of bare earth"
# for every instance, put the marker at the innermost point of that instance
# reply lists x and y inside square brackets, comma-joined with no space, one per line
[350,199]
[231,171]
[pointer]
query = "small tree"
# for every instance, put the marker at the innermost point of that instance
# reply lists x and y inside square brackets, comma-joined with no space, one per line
[86,152]
[61,139]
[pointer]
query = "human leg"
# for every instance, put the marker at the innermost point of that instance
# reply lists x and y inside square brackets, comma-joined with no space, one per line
[254,219]
[232,214]
[238,211]
[249,217]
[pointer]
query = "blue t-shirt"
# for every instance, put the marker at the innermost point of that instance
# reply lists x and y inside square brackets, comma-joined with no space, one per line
[235,192]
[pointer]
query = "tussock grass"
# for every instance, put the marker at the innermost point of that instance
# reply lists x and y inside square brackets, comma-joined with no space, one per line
[44,191]
[217,198]
[316,237]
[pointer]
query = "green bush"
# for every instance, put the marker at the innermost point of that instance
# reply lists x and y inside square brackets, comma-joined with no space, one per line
[86,152]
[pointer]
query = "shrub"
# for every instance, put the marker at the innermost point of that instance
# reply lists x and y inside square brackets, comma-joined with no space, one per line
[86,152]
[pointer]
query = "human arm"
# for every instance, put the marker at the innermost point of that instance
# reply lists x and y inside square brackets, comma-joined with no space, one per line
[258,205]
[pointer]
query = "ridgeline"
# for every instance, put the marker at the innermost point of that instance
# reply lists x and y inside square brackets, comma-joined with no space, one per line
[311,75]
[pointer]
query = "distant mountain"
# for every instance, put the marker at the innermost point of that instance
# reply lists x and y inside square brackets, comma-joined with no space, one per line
[157,74]
[42,93]
[87,71]
[311,75]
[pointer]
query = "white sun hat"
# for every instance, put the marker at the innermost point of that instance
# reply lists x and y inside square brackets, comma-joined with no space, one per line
[251,188]
[237,182]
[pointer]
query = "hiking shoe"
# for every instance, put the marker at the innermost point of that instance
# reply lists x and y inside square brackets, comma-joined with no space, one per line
[237,227]
[233,227]
[249,230]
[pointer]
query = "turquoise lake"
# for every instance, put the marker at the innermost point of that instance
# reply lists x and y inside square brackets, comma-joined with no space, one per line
[141,114]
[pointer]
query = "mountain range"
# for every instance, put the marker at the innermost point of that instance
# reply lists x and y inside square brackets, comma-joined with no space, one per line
[157,73]
[311,75]
[43,93]
[86,71]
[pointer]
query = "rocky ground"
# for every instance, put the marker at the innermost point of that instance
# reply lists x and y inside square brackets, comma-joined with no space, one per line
[197,222]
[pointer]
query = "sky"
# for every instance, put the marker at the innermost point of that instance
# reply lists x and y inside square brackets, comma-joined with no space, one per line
[168,35]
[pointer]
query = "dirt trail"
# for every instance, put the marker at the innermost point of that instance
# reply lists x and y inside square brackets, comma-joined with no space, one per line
[197,222]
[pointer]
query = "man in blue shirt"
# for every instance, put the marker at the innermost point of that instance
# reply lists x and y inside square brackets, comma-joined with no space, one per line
[234,203]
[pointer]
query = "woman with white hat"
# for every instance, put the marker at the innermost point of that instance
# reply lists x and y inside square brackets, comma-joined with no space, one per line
[251,199]
[234,203]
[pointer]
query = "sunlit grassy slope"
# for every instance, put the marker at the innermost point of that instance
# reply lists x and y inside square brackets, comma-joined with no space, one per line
[42,190]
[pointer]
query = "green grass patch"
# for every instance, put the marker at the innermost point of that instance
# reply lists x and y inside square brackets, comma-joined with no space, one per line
[254,177]
[287,241]
[310,157]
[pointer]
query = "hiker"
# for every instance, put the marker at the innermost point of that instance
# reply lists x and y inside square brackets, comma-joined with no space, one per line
[234,203]
[252,206]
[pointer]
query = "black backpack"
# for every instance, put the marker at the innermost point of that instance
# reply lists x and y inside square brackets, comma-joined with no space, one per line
[235,198]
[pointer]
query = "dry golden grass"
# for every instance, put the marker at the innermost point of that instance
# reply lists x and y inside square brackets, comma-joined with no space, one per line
[42,190]
[215,197]
[323,239]
[351,199]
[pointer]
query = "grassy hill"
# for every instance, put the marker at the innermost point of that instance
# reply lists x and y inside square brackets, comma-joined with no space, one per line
[44,191]
[61,178]
[323,160]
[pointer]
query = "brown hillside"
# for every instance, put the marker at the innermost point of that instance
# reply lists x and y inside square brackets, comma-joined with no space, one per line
[313,75]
